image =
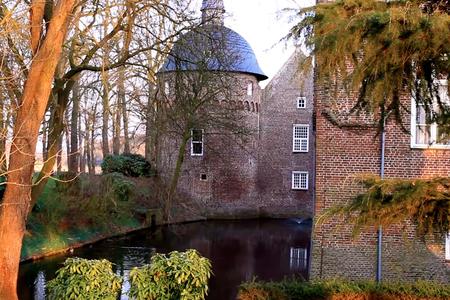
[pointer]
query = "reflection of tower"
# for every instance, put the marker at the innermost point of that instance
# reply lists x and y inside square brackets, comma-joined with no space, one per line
[219,168]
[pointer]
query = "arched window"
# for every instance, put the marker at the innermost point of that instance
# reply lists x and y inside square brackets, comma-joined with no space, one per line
[247,106]
[253,106]
[250,88]
[257,107]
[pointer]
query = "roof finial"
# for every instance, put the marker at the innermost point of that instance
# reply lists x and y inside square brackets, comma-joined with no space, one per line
[213,12]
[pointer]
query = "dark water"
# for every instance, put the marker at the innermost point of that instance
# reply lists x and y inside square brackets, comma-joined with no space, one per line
[239,250]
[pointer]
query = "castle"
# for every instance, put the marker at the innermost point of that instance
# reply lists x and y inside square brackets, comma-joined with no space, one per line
[297,157]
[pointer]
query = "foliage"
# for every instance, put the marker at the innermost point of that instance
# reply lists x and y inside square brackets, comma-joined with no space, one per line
[85,279]
[317,290]
[176,276]
[115,185]
[111,203]
[133,165]
[390,201]
[348,38]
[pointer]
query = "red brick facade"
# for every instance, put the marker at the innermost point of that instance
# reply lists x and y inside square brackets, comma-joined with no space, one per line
[277,160]
[344,151]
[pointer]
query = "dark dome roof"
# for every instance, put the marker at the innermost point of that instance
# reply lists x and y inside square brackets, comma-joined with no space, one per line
[215,48]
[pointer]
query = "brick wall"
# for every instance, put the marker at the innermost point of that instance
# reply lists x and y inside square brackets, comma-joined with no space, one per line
[276,159]
[229,162]
[343,152]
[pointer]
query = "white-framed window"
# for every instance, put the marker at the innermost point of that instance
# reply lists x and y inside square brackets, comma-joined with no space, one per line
[447,247]
[298,258]
[197,142]
[250,89]
[424,133]
[166,88]
[301,102]
[300,138]
[299,180]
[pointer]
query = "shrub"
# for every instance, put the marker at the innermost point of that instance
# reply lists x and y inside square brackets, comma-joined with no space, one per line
[176,276]
[85,279]
[116,186]
[111,203]
[337,289]
[133,165]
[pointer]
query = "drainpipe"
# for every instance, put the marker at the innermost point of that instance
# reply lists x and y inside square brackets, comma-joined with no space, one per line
[380,228]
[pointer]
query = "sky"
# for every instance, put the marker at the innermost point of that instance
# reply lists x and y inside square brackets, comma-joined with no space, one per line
[263,24]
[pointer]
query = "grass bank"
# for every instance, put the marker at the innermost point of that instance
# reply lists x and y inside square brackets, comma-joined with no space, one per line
[342,290]
[73,212]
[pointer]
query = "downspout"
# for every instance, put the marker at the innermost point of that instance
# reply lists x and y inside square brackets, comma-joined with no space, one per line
[380,228]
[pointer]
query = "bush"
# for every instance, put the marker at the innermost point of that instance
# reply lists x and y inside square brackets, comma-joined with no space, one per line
[336,289]
[85,279]
[176,276]
[133,165]
[111,203]
[116,186]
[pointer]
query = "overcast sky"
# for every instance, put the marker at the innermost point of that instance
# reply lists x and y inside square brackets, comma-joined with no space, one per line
[262,23]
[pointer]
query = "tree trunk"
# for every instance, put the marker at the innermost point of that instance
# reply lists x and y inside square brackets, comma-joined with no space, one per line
[116,131]
[59,154]
[105,115]
[80,143]
[53,150]
[176,174]
[123,105]
[16,202]
[87,141]
[151,127]
[67,139]
[73,157]
[3,133]
[62,90]
[148,132]
[44,140]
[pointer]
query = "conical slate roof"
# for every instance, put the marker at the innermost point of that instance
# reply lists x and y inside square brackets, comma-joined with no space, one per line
[216,48]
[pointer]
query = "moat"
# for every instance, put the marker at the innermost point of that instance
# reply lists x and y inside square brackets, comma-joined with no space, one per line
[239,251]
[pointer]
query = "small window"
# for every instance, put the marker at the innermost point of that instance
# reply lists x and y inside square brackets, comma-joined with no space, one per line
[300,138]
[301,102]
[424,132]
[250,89]
[203,177]
[196,142]
[166,88]
[447,247]
[298,258]
[299,180]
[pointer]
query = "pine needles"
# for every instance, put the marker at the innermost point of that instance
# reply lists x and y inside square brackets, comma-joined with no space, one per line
[392,201]
[380,49]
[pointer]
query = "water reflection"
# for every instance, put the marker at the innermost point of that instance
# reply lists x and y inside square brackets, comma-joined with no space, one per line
[239,250]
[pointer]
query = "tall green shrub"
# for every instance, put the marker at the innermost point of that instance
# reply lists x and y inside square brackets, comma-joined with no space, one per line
[176,276]
[85,279]
[133,165]
[112,202]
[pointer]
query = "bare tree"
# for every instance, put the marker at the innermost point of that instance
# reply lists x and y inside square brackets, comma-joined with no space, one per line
[199,97]
[46,45]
